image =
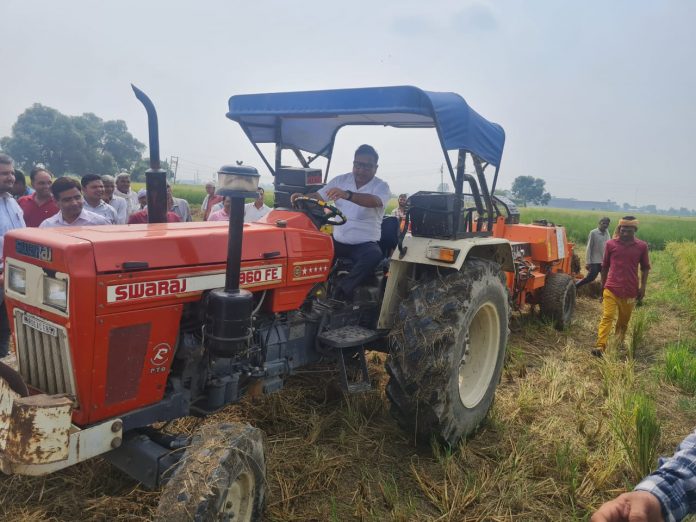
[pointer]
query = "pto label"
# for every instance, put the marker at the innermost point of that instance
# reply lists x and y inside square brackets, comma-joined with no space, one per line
[248,277]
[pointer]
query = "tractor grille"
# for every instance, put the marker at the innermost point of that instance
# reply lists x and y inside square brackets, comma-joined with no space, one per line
[44,354]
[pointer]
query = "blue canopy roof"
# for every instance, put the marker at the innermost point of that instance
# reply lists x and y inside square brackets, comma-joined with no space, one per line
[309,120]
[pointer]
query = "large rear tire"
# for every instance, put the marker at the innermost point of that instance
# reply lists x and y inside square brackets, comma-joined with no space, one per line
[221,477]
[447,352]
[558,299]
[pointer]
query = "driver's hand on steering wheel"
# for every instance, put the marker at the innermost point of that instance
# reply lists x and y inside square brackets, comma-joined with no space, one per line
[295,195]
[336,193]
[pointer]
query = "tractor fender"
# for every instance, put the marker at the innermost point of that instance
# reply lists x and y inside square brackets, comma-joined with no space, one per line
[493,248]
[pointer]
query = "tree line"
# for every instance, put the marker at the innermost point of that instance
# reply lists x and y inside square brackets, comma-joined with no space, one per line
[74,145]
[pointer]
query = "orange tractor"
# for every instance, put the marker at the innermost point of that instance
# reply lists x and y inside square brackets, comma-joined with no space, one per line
[118,328]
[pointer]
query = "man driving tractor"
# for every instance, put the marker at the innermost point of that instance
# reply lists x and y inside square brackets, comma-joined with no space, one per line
[362,198]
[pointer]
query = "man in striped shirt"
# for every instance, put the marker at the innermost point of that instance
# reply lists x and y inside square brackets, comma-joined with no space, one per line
[668,494]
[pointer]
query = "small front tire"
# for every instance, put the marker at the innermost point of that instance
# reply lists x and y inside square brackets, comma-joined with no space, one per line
[558,299]
[221,477]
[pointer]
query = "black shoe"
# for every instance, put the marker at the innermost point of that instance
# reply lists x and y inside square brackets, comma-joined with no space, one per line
[597,353]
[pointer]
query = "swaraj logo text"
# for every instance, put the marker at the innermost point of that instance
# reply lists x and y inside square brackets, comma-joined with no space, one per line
[150,289]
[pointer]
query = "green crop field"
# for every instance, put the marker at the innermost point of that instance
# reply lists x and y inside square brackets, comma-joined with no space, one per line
[656,230]
[194,194]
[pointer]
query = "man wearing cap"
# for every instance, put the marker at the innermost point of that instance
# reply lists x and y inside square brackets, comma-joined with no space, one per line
[142,198]
[210,199]
[621,287]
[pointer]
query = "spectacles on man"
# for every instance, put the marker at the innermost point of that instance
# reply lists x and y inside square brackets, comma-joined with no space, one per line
[363,165]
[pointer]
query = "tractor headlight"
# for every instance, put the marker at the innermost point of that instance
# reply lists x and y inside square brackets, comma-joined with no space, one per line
[17,279]
[55,293]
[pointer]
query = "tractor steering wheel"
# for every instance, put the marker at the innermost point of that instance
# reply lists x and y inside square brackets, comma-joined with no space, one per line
[317,208]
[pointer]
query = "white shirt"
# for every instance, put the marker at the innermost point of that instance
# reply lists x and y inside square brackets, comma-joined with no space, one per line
[251,213]
[11,217]
[181,209]
[131,198]
[103,209]
[85,218]
[121,207]
[363,224]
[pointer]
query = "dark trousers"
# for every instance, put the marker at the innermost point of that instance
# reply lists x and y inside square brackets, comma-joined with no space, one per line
[4,329]
[365,258]
[592,273]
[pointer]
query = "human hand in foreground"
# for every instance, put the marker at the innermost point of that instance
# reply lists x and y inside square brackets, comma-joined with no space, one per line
[636,506]
[641,293]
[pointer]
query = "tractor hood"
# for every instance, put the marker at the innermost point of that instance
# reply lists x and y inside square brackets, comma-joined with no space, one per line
[163,245]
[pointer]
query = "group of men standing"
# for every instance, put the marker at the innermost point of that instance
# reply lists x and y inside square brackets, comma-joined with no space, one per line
[217,208]
[94,200]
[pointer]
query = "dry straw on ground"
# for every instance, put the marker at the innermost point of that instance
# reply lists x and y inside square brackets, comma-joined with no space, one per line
[549,450]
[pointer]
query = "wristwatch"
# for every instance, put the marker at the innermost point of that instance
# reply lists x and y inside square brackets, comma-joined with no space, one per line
[350,195]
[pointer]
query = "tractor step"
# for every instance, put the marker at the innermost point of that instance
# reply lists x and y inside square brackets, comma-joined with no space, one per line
[348,337]
[349,342]
[362,382]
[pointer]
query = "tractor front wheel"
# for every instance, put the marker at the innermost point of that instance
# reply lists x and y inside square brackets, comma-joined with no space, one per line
[221,477]
[447,352]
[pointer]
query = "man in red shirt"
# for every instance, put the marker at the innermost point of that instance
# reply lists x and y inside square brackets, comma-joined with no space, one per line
[140,217]
[39,205]
[622,256]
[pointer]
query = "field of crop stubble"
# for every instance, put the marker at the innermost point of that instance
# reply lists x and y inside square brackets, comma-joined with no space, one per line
[567,431]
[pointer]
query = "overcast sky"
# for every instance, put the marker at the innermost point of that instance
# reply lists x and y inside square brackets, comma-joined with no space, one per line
[597,97]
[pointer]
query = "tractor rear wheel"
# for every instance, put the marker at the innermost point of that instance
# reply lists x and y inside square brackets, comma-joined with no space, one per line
[221,477]
[447,352]
[558,299]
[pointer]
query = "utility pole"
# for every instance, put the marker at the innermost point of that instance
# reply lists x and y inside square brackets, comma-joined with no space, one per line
[174,166]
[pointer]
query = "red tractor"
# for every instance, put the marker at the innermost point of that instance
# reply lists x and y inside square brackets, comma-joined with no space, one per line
[118,328]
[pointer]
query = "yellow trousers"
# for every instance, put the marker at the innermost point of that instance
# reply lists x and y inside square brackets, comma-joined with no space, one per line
[614,309]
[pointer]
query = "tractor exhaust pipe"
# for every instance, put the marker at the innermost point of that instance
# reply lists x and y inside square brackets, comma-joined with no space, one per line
[228,311]
[155,177]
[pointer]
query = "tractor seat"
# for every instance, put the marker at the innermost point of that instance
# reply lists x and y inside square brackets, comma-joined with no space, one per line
[387,243]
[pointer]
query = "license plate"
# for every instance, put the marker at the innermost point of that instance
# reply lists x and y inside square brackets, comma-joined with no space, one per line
[39,324]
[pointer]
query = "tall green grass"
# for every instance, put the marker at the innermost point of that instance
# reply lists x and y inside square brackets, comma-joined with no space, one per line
[684,255]
[680,366]
[638,329]
[638,431]
[657,231]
